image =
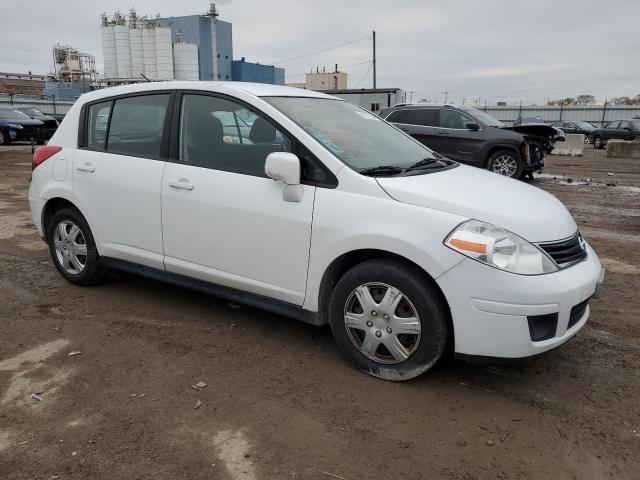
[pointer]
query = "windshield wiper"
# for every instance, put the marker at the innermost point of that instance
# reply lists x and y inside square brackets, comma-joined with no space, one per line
[381,170]
[425,162]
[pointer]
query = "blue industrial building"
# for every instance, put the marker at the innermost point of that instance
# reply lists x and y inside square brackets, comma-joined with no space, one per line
[215,49]
[200,30]
[244,71]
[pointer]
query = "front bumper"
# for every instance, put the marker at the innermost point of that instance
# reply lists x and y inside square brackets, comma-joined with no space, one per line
[492,310]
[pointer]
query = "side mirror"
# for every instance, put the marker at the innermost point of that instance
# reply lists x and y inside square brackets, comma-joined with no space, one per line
[285,167]
[473,127]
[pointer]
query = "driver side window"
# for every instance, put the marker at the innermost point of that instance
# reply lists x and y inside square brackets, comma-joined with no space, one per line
[224,135]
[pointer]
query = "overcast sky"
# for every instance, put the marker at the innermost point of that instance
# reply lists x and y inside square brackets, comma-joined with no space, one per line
[493,49]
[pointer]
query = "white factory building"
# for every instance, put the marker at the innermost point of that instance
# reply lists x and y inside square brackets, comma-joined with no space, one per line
[137,47]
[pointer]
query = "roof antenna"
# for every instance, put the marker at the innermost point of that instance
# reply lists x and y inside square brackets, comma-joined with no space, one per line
[145,77]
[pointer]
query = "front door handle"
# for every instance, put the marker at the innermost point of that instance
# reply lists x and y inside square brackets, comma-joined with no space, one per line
[443,132]
[404,129]
[182,184]
[87,167]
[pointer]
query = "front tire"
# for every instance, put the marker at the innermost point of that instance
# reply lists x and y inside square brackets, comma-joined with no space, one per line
[388,320]
[597,143]
[73,249]
[507,163]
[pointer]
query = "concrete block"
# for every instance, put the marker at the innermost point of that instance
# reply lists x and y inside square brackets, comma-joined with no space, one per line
[623,148]
[573,145]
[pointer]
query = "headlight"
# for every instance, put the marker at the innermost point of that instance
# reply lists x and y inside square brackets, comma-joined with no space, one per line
[496,247]
[14,126]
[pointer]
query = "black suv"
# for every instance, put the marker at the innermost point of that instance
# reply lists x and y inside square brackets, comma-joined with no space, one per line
[471,136]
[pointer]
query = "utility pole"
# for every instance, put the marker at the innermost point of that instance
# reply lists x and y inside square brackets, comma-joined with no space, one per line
[374,59]
[411,98]
[446,96]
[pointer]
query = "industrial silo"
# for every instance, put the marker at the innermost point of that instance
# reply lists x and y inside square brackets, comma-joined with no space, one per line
[164,54]
[185,61]
[123,51]
[108,36]
[149,51]
[137,54]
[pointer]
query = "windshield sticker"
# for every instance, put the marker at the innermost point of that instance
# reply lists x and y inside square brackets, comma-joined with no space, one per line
[365,115]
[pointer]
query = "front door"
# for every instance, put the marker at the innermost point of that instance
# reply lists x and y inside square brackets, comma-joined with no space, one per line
[455,140]
[223,220]
[117,176]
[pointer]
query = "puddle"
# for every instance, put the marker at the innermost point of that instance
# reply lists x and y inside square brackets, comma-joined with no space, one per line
[233,451]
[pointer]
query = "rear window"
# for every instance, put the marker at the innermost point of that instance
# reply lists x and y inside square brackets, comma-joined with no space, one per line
[427,117]
[137,124]
[97,122]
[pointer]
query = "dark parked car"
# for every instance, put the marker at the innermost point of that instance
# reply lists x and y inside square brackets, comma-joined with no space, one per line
[523,120]
[618,129]
[583,128]
[50,123]
[16,126]
[471,136]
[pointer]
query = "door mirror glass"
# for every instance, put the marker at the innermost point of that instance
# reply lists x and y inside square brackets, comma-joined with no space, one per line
[285,167]
[473,127]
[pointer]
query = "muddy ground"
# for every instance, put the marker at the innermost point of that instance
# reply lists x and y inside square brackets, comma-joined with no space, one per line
[279,400]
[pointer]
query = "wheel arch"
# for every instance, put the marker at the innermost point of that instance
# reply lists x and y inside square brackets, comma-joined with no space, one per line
[340,265]
[496,147]
[55,204]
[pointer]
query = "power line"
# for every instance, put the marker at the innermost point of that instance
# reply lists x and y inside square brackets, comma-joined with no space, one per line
[320,51]
[364,76]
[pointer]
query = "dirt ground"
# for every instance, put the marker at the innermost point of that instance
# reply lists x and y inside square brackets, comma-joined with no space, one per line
[279,401]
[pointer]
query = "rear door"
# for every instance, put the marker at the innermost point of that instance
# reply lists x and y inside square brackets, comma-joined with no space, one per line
[223,220]
[420,123]
[611,130]
[455,140]
[117,173]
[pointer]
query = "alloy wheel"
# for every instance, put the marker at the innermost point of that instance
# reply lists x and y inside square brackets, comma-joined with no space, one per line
[505,165]
[597,142]
[382,323]
[70,247]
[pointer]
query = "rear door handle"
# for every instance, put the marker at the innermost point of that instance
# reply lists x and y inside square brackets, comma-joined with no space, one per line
[443,132]
[87,167]
[404,129]
[182,184]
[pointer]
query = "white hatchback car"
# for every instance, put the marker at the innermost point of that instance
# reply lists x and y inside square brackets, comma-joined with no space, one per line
[311,207]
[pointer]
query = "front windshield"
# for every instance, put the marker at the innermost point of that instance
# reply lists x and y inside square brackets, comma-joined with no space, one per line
[483,117]
[360,139]
[34,112]
[8,114]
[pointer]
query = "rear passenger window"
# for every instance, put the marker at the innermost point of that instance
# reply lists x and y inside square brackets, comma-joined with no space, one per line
[224,135]
[98,119]
[427,117]
[137,124]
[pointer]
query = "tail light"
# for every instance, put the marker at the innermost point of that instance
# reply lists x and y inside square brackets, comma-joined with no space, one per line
[42,153]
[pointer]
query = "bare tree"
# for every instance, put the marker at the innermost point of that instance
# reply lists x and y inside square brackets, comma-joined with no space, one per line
[585,100]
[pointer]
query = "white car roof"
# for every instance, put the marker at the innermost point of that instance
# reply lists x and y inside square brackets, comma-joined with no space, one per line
[256,89]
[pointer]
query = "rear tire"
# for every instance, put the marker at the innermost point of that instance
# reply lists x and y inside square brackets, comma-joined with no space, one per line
[597,143]
[396,331]
[507,163]
[73,249]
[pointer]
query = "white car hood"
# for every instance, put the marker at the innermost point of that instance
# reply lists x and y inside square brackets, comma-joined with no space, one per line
[528,211]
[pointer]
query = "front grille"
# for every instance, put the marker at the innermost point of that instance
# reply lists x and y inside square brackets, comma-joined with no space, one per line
[566,252]
[577,312]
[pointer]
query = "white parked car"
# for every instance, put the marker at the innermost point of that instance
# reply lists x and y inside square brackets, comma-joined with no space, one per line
[320,211]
